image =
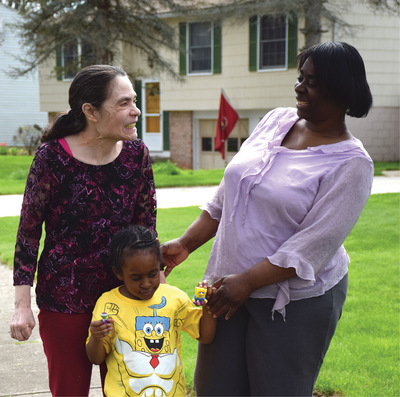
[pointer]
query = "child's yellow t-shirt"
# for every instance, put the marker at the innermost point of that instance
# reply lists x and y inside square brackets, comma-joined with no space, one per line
[144,349]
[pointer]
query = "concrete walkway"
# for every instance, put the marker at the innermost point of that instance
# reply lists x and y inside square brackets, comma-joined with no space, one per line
[23,367]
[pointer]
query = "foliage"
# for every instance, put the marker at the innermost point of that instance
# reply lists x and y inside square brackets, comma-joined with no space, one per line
[166,167]
[29,137]
[99,25]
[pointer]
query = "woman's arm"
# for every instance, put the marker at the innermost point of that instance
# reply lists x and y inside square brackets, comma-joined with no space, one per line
[199,232]
[233,290]
[22,322]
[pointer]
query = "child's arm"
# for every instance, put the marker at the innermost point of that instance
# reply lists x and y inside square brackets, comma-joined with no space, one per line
[95,349]
[208,323]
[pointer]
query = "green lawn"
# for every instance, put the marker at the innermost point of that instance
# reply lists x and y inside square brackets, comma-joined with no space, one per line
[363,360]
[14,171]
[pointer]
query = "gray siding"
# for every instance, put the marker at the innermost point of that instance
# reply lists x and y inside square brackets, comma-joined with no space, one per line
[19,98]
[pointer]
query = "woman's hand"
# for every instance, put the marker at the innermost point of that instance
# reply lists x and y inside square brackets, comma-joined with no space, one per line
[22,323]
[231,293]
[173,252]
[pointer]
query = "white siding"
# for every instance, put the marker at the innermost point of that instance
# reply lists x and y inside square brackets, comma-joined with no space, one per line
[19,98]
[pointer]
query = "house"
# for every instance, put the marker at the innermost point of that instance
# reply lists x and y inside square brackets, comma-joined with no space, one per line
[253,61]
[19,98]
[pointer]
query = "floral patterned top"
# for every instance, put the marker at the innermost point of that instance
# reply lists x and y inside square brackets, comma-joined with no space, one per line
[81,206]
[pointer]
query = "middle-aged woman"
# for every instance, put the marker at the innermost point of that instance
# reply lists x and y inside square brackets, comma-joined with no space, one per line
[89,178]
[286,203]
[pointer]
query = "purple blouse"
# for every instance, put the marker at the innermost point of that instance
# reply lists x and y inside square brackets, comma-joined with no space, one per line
[81,206]
[294,207]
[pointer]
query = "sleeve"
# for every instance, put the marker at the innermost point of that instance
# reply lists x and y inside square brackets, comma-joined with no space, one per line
[341,198]
[192,320]
[146,206]
[41,181]
[214,206]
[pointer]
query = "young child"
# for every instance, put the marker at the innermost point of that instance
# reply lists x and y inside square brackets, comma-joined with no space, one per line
[140,338]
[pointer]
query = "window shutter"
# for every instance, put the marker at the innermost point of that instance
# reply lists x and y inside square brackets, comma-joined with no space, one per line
[138,89]
[59,62]
[166,130]
[292,41]
[253,43]
[182,48]
[217,49]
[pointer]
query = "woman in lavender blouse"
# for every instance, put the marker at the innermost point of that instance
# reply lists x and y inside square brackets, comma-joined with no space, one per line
[89,178]
[287,202]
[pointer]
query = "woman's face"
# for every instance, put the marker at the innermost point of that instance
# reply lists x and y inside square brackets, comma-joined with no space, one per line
[118,115]
[312,104]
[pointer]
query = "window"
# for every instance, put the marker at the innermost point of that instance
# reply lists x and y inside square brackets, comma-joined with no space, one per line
[72,56]
[206,144]
[272,48]
[233,145]
[152,107]
[273,42]
[200,48]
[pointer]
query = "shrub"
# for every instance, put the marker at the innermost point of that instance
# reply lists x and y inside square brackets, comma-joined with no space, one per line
[29,136]
[166,167]
[3,149]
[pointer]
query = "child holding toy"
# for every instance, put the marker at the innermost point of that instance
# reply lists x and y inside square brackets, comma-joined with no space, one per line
[140,338]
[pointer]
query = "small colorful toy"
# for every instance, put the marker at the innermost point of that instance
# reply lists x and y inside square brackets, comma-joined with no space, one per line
[200,292]
[104,317]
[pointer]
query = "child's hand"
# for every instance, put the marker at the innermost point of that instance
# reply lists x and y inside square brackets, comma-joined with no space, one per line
[100,329]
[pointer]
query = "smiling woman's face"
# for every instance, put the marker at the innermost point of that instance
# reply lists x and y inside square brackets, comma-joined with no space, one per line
[117,117]
[312,104]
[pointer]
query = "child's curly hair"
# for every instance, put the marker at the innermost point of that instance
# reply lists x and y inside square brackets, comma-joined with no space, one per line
[127,242]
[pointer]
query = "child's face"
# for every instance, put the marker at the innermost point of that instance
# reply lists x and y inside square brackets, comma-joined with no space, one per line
[141,275]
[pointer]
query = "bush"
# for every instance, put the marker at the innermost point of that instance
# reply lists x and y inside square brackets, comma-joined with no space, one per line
[166,168]
[3,149]
[29,136]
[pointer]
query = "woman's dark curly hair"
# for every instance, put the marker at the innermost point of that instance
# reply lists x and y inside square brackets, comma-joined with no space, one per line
[127,242]
[340,72]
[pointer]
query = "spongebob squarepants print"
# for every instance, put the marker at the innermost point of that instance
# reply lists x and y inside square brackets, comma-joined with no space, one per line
[153,369]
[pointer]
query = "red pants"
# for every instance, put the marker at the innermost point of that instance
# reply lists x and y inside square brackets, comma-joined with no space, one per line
[64,338]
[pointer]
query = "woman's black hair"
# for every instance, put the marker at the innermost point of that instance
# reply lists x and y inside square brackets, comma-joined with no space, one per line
[130,240]
[90,85]
[340,71]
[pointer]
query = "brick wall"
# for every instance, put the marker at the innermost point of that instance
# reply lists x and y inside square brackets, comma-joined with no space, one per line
[379,133]
[181,147]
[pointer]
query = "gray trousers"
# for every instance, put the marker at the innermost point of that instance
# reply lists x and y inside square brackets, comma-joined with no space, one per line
[253,355]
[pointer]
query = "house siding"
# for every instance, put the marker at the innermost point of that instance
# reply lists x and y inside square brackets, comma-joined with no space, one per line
[254,93]
[19,98]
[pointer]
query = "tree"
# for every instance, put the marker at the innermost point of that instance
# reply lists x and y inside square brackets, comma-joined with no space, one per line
[104,26]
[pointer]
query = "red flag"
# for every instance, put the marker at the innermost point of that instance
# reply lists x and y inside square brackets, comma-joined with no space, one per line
[227,118]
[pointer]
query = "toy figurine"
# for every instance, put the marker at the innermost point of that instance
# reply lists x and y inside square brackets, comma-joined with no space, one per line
[200,292]
[104,317]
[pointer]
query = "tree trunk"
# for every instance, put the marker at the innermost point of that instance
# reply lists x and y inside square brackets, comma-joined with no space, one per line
[312,29]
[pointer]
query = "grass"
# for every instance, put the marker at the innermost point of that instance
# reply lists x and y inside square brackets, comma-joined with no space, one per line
[14,171]
[363,360]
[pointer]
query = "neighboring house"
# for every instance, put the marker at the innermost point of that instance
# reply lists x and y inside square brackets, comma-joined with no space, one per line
[253,61]
[19,98]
